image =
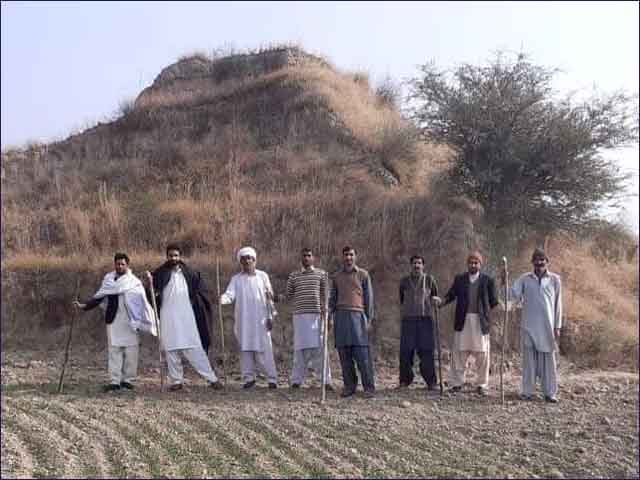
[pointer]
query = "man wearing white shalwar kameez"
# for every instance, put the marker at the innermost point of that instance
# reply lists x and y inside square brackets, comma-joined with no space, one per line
[126,311]
[540,293]
[307,290]
[254,314]
[179,292]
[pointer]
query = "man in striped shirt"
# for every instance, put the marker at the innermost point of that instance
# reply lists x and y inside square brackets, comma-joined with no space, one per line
[307,290]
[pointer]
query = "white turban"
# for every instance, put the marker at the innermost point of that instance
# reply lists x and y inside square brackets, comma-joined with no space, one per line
[246,251]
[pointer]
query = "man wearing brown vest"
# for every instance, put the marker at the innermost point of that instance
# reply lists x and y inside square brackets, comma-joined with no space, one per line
[351,304]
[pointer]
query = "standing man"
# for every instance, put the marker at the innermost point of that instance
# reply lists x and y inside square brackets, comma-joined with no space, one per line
[351,303]
[540,292]
[183,308]
[127,311]
[308,290]
[254,314]
[475,295]
[416,331]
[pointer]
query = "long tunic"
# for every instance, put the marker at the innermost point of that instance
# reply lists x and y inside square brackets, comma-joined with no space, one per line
[542,308]
[307,289]
[178,328]
[251,309]
[119,332]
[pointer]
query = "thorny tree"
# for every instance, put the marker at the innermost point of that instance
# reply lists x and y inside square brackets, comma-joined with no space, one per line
[531,159]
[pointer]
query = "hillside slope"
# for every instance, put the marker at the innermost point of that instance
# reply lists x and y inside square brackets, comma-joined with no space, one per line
[277,149]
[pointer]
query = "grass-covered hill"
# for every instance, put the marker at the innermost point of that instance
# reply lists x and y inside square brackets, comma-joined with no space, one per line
[278,149]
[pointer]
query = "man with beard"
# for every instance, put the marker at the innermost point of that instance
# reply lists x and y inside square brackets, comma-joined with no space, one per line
[416,331]
[475,295]
[351,303]
[540,293]
[254,314]
[126,312]
[183,308]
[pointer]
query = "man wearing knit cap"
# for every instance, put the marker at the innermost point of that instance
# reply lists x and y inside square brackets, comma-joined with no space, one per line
[254,314]
[475,295]
[540,294]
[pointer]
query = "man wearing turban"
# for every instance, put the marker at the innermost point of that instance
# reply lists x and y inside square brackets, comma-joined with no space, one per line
[252,294]
[475,295]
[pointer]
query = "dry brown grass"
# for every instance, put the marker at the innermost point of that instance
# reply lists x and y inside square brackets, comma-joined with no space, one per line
[600,303]
[278,161]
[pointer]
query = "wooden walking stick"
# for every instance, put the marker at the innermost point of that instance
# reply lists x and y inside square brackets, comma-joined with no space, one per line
[504,326]
[435,314]
[157,318]
[220,320]
[325,356]
[66,349]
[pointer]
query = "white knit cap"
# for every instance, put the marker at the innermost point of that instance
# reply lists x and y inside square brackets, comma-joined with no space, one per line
[246,251]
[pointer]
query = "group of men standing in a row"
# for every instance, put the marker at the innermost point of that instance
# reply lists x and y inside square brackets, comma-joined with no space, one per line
[183,306]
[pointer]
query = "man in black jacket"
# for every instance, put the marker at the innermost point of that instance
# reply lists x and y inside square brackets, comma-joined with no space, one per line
[122,337]
[475,295]
[183,309]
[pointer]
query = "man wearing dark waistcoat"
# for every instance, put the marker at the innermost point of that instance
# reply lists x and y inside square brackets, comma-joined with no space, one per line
[475,296]
[416,330]
[351,303]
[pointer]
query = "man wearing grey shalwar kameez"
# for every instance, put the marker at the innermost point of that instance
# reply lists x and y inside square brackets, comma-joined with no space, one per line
[351,303]
[540,293]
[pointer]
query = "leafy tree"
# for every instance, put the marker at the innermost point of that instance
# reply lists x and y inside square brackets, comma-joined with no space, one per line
[530,158]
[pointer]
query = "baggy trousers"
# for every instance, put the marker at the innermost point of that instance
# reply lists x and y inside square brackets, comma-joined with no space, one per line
[123,364]
[198,360]
[349,356]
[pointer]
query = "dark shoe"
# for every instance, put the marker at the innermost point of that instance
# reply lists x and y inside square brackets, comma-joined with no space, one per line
[175,387]
[273,386]
[216,385]
[250,384]
[295,385]
[369,394]
[403,386]
[329,388]
[455,389]
[126,385]
[482,391]
[550,399]
[526,398]
[347,393]
[431,388]
[112,387]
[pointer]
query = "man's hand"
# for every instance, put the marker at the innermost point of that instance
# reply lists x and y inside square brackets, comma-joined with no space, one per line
[148,276]
[556,332]
[268,323]
[437,301]
[77,304]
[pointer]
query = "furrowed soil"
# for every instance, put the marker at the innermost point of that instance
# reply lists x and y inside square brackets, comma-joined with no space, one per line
[199,432]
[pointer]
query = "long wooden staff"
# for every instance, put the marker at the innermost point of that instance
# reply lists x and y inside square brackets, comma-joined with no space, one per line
[504,325]
[66,349]
[220,320]
[325,356]
[435,314]
[157,317]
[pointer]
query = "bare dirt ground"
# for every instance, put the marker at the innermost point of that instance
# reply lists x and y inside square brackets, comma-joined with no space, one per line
[198,432]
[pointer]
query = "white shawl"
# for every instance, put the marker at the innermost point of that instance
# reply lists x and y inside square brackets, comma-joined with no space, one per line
[141,316]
